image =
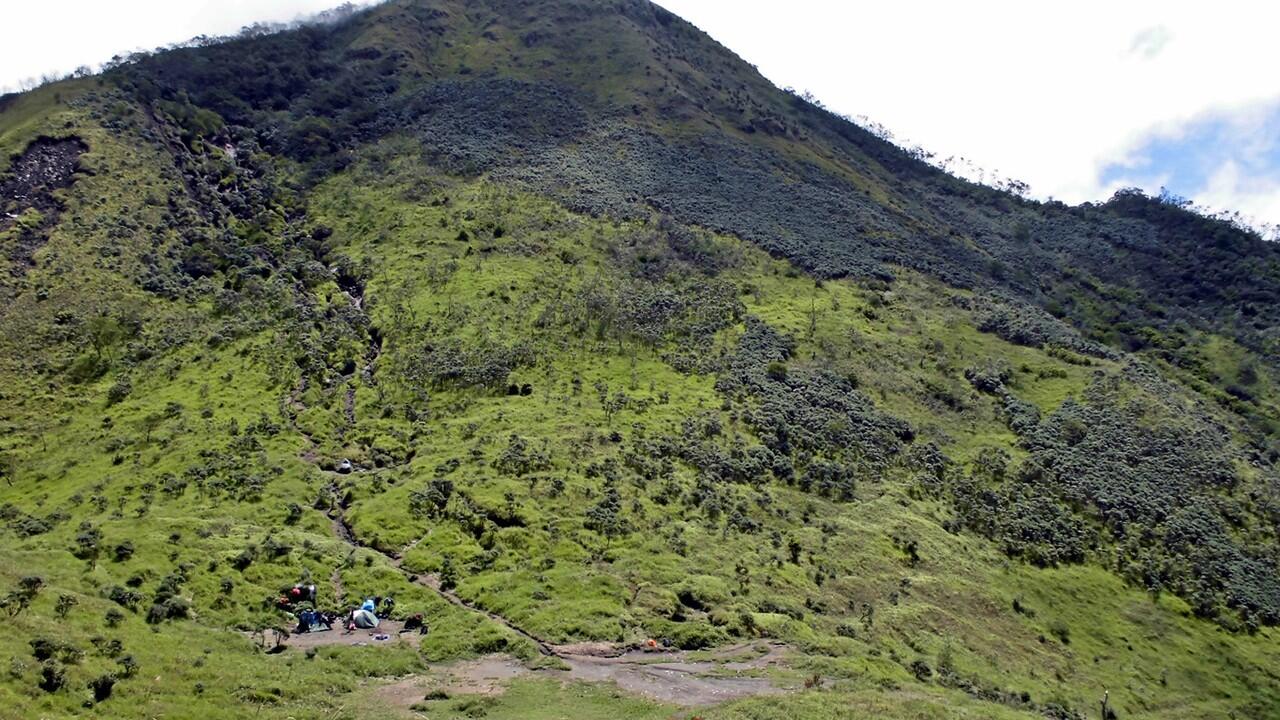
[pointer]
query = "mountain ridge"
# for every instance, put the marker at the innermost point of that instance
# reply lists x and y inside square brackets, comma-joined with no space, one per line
[618,342]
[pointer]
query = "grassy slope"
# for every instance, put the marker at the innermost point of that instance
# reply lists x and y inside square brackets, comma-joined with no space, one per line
[961,594]
[68,448]
[1150,654]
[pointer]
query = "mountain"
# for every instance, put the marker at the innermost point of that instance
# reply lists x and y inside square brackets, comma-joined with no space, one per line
[655,390]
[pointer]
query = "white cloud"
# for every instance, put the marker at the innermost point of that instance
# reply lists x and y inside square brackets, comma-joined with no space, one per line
[1253,196]
[1151,41]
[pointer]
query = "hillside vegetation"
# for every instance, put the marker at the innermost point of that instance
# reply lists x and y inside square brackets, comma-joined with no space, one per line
[558,323]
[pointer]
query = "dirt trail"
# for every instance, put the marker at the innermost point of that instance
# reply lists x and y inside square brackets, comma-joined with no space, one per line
[667,677]
[388,632]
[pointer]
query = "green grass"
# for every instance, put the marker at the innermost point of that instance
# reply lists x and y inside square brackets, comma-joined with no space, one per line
[554,579]
[1079,630]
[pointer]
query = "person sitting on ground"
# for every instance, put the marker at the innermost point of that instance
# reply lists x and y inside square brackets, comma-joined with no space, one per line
[415,622]
[388,607]
[305,619]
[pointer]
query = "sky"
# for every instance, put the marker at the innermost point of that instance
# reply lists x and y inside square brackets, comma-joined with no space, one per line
[1077,99]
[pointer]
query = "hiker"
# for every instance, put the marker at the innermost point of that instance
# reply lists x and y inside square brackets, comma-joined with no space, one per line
[305,620]
[415,622]
[303,593]
[388,607]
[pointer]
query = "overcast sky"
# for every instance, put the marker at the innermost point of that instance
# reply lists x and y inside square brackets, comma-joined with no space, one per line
[1076,99]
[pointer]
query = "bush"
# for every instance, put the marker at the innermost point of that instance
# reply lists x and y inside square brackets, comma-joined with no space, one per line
[52,676]
[777,371]
[697,635]
[242,561]
[65,604]
[43,649]
[119,391]
[173,608]
[1060,630]
[124,597]
[122,551]
[102,686]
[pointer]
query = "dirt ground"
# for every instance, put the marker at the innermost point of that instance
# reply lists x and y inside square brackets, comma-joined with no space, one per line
[665,676]
[483,676]
[387,633]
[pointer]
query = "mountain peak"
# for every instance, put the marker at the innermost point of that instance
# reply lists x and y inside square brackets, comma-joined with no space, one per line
[618,381]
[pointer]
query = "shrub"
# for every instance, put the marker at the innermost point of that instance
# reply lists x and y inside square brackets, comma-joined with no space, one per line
[102,686]
[52,676]
[242,561]
[123,551]
[1060,630]
[21,598]
[777,371]
[697,635]
[128,666]
[124,597]
[65,603]
[173,608]
[119,391]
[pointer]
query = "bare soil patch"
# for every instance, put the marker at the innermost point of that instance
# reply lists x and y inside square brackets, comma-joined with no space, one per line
[672,677]
[47,164]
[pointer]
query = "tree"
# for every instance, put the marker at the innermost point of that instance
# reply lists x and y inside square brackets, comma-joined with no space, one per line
[104,332]
[65,603]
[151,423]
[605,517]
[614,404]
[88,542]
[448,573]
[432,500]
